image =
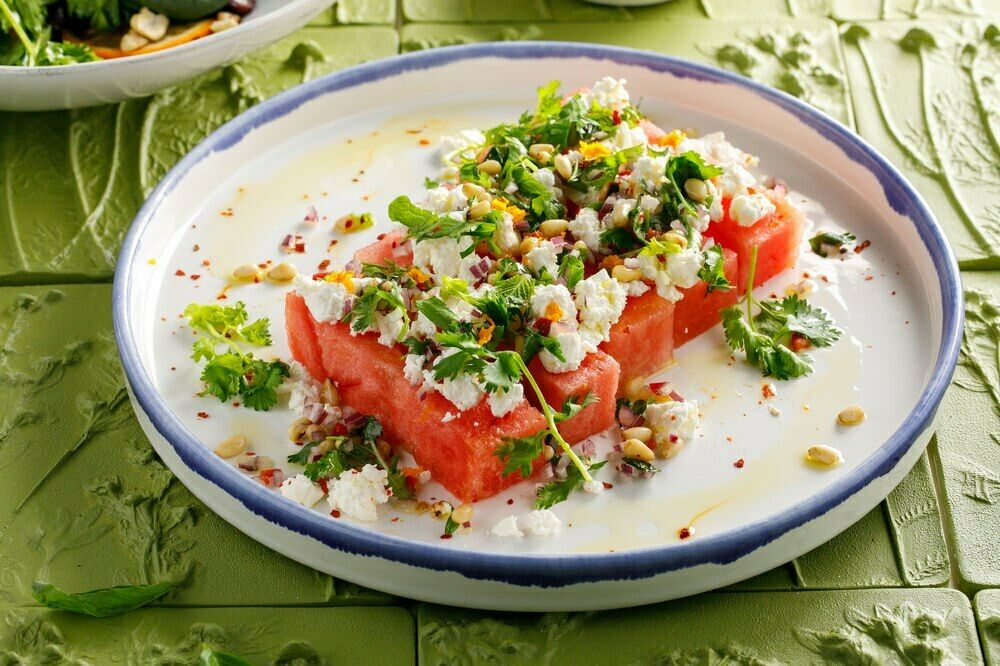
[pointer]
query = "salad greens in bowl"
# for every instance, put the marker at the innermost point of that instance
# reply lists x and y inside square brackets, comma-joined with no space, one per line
[58,54]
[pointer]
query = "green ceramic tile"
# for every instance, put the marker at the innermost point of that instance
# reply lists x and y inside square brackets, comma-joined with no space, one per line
[881,626]
[909,9]
[924,95]
[71,182]
[86,504]
[377,636]
[486,11]
[968,439]
[987,606]
[360,12]
[801,57]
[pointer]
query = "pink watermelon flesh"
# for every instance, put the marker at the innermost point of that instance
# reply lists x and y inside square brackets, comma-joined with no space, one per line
[699,310]
[598,374]
[643,339]
[369,377]
[777,238]
[390,247]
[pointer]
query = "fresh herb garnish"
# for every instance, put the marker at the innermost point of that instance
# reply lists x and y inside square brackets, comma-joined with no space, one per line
[829,243]
[211,657]
[104,602]
[519,453]
[235,372]
[713,270]
[767,337]
[641,465]
[450,526]
[554,492]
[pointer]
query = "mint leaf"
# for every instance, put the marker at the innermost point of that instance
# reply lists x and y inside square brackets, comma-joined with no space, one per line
[104,602]
[439,313]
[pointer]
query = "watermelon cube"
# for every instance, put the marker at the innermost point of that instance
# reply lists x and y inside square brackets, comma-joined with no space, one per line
[390,247]
[776,236]
[699,310]
[643,339]
[597,374]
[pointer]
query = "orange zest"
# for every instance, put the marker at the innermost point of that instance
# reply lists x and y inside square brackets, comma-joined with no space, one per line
[553,312]
[671,138]
[418,275]
[592,150]
[486,333]
[345,278]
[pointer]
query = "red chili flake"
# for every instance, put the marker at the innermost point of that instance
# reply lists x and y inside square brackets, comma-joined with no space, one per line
[320,275]
[767,390]
[862,246]
[173,368]
[684,532]
[607,486]
[445,536]
[335,513]
[196,247]
[195,276]
[323,265]
[332,243]
[869,278]
[509,502]
[616,117]
[293,243]
[312,216]
[673,438]
[799,342]
[805,274]
[206,262]
[425,142]
[394,519]
[739,464]
[338,429]
[202,415]
[467,524]
[543,325]
[179,273]
[893,292]
[322,485]
[380,237]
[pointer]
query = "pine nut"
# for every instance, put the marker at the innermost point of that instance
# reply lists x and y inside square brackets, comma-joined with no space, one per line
[462,514]
[564,166]
[231,446]
[633,448]
[471,190]
[676,238]
[851,416]
[528,244]
[551,228]
[490,167]
[639,432]
[824,455]
[283,272]
[224,21]
[246,272]
[441,509]
[537,149]
[544,157]
[149,24]
[548,452]
[298,428]
[478,209]
[696,189]
[581,247]
[624,274]
[329,394]
[668,449]
[131,41]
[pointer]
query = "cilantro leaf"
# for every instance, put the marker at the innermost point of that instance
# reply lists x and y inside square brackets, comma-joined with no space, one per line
[779,318]
[535,341]
[641,465]
[571,269]
[502,373]
[223,376]
[774,359]
[829,243]
[439,313]
[301,457]
[260,382]
[713,270]
[519,453]
[574,404]
[330,466]
[554,492]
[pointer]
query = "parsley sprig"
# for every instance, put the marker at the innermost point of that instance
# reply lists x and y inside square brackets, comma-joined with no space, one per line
[235,372]
[766,338]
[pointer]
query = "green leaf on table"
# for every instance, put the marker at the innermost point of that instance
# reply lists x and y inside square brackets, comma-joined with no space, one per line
[210,657]
[104,602]
[554,492]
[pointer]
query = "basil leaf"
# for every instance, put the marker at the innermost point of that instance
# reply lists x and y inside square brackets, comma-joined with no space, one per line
[100,603]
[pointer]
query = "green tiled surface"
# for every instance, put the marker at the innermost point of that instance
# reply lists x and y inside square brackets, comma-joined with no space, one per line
[870,595]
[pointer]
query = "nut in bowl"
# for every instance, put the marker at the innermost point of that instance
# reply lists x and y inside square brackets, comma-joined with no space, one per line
[606,365]
[80,54]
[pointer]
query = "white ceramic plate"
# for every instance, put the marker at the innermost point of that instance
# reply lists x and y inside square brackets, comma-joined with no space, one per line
[353,140]
[87,84]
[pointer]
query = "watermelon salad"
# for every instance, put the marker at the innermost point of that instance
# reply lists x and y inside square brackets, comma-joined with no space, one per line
[516,310]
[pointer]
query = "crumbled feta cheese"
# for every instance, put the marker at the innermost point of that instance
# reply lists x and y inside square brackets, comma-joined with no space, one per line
[553,302]
[505,236]
[648,172]
[325,300]
[446,200]
[573,350]
[463,391]
[747,209]
[507,528]
[302,390]
[609,93]
[541,523]
[734,180]
[438,257]
[679,271]
[413,369]
[359,494]
[543,257]
[391,326]
[422,327]
[627,137]
[600,300]
[448,417]
[587,227]
[622,208]
[548,180]
[673,423]
[504,402]
[463,145]
[649,204]
[301,489]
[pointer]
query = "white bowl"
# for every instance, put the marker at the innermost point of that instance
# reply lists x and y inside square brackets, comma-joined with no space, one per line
[248,184]
[106,81]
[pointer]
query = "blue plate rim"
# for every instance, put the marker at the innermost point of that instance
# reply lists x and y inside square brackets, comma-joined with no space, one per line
[545,570]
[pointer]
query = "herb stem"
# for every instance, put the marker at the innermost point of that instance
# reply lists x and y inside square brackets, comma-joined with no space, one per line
[547,411]
[749,295]
[15,23]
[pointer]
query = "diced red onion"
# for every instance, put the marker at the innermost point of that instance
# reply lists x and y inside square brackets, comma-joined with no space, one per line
[626,469]
[293,243]
[617,448]
[354,420]
[522,225]
[661,388]
[312,216]
[481,268]
[348,305]
[674,395]
[627,417]
[546,473]
[588,448]
[247,462]
[558,241]
[609,205]
[402,250]
[353,265]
